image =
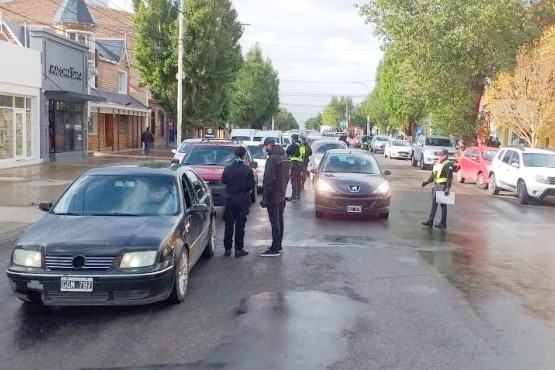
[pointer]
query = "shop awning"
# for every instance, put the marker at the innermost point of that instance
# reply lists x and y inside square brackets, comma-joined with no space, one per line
[72,96]
[119,101]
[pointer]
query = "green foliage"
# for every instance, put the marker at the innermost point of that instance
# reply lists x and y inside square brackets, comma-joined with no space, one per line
[255,92]
[211,60]
[284,120]
[438,53]
[336,111]
[155,49]
[313,123]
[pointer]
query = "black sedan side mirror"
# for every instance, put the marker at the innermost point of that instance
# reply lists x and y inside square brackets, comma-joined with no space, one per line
[253,164]
[175,161]
[198,208]
[387,172]
[45,206]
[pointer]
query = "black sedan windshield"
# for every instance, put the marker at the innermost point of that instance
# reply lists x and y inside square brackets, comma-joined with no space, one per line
[127,195]
[351,163]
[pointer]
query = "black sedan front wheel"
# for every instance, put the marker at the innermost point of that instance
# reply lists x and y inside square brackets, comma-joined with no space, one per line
[181,278]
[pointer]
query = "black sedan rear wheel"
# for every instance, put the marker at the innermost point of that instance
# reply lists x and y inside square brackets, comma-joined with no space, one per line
[181,278]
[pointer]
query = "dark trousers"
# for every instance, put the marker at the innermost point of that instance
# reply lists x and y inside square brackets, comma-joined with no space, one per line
[296,181]
[434,206]
[235,218]
[147,148]
[275,213]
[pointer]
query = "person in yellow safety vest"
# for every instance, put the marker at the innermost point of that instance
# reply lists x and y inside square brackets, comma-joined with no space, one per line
[307,153]
[442,177]
[296,154]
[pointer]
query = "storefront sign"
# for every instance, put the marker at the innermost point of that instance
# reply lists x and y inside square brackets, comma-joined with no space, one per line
[66,72]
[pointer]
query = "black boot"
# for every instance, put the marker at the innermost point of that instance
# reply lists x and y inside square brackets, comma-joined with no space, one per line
[227,253]
[241,253]
[427,223]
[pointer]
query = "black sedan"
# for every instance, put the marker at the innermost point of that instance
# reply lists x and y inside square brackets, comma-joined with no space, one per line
[351,182]
[119,235]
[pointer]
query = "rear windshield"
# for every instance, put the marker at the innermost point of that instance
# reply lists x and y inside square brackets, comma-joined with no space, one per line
[241,138]
[400,143]
[210,155]
[382,138]
[351,163]
[257,152]
[438,141]
[539,160]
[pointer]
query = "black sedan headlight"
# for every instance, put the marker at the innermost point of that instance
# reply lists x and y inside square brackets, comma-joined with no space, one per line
[27,258]
[138,259]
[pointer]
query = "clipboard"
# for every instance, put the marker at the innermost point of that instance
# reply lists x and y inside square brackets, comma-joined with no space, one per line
[445,199]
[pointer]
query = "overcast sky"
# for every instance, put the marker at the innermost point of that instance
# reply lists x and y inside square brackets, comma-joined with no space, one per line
[320,48]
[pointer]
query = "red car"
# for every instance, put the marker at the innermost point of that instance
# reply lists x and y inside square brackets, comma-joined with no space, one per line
[473,165]
[209,158]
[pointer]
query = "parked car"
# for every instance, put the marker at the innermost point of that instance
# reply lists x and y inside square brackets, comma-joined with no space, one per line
[209,158]
[473,165]
[242,134]
[396,148]
[320,147]
[350,181]
[426,149]
[528,172]
[179,153]
[378,142]
[119,235]
[260,156]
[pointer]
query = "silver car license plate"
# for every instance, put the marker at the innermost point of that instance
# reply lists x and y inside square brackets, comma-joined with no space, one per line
[76,284]
[354,209]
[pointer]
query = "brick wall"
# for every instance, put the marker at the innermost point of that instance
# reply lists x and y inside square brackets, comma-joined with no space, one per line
[108,75]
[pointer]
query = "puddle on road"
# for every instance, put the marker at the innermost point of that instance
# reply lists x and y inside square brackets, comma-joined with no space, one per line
[296,330]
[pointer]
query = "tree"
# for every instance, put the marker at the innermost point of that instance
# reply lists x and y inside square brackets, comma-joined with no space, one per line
[213,56]
[336,111]
[155,45]
[524,101]
[313,123]
[284,120]
[255,92]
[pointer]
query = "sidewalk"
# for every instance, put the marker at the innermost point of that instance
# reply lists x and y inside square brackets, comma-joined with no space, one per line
[23,188]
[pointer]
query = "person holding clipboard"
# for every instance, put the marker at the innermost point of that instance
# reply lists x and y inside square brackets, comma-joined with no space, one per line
[442,177]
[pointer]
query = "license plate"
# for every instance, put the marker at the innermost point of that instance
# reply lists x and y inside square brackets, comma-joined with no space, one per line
[354,209]
[76,284]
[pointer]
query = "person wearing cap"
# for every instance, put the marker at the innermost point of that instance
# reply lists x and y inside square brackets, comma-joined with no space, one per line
[296,153]
[238,179]
[442,177]
[276,177]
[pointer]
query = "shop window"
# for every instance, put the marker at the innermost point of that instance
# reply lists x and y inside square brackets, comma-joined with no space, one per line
[19,102]
[86,38]
[122,124]
[122,82]
[29,132]
[65,126]
[6,101]
[93,124]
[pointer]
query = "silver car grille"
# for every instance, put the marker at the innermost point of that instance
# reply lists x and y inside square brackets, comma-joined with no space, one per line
[67,263]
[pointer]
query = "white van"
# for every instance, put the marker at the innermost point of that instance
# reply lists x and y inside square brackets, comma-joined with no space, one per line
[276,134]
[242,134]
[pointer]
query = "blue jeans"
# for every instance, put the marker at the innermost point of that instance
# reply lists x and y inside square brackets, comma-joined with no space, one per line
[147,148]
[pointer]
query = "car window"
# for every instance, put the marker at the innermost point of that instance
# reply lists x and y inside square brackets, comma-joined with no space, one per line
[473,153]
[210,155]
[198,186]
[184,146]
[500,155]
[325,147]
[539,160]
[351,163]
[241,138]
[188,194]
[382,138]
[400,143]
[257,152]
[120,195]
[515,158]
[507,156]
[438,141]
[488,155]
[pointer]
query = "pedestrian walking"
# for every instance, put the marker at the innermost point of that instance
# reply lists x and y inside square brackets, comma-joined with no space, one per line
[442,177]
[238,179]
[148,139]
[296,153]
[276,177]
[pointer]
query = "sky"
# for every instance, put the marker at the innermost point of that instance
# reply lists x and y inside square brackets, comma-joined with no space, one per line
[320,48]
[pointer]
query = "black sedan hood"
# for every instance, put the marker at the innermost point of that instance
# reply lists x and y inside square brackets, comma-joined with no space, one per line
[353,184]
[96,234]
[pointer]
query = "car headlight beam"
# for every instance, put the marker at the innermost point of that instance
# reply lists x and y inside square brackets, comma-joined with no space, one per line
[542,179]
[383,188]
[22,257]
[138,259]
[323,187]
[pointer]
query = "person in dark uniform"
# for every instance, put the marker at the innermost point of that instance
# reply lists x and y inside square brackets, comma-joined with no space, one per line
[307,154]
[276,177]
[442,177]
[296,153]
[239,181]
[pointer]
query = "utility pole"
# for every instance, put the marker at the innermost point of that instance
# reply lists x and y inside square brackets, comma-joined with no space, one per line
[180,77]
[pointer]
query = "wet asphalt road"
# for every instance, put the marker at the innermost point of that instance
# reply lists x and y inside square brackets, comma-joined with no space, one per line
[346,294]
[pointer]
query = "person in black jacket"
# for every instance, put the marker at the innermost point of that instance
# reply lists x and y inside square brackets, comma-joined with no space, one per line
[148,139]
[239,181]
[276,177]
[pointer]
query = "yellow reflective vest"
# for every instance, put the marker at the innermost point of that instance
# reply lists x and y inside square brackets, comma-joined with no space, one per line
[302,154]
[439,173]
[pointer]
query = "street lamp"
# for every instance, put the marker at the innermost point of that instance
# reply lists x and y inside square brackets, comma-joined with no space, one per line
[367,116]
